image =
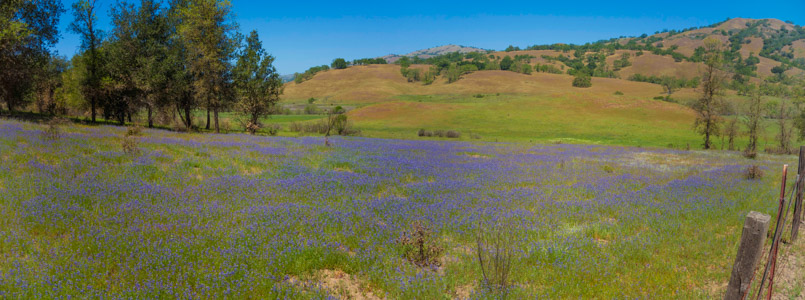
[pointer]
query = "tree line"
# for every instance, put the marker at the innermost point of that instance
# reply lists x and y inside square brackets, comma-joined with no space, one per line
[167,59]
[711,108]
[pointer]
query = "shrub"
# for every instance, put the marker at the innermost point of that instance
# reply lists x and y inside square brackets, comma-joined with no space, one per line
[618,93]
[478,95]
[252,128]
[419,246]
[778,150]
[53,130]
[350,130]
[319,127]
[754,172]
[582,81]
[134,130]
[295,127]
[495,250]
[453,134]
[311,109]
[273,129]
[438,133]
[751,154]
[421,132]
[130,142]
[344,127]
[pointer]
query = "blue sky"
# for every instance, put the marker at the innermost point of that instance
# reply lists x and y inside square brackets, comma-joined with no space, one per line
[301,34]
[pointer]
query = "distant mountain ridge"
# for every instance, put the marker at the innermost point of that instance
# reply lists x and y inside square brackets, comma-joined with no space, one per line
[435,51]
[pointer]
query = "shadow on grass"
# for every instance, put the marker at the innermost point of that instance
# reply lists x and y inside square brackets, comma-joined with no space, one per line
[42,118]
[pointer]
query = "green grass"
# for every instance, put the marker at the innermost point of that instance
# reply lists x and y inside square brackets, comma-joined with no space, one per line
[525,118]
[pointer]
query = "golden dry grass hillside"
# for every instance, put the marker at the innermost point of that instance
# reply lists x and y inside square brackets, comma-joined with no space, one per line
[379,83]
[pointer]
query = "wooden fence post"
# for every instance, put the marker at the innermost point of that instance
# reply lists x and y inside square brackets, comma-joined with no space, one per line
[749,252]
[798,199]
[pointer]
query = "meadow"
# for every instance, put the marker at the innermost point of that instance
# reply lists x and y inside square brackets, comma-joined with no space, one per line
[237,216]
[503,106]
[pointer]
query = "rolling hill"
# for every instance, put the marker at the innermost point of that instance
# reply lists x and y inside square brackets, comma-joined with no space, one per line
[505,105]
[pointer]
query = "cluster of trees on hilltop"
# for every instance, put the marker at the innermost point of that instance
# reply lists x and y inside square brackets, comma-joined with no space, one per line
[369,61]
[165,58]
[338,63]
[453,65]
[308,74]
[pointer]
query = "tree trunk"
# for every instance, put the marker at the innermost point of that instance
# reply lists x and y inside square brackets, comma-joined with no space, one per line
[208,115]
[92,103]
[129,116]
[150,118]
[215,112]
[189,121]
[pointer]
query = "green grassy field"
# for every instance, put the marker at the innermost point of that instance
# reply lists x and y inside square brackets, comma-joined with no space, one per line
[527,118]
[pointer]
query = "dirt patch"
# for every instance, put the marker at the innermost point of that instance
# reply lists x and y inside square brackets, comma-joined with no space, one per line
[464,291]
[343,285]
[345,170]
[252,171]
[337,283]
[664,162]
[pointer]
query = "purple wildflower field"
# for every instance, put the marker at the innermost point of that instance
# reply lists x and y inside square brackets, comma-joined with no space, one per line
[237,216]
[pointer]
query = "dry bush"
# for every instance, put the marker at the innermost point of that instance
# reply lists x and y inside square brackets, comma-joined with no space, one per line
[295,127]
[779,150]
[224,126]
[495,250]
[316,127]
[130,143]
[53,130]
[420,247]
[252,128]
[321,126]
[453,134]
[134,130]
[424,133]
[750,154]
[754,172]
[438,133]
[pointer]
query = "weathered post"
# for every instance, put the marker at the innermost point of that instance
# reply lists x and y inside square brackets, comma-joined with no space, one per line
[749,252]
[798,199]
